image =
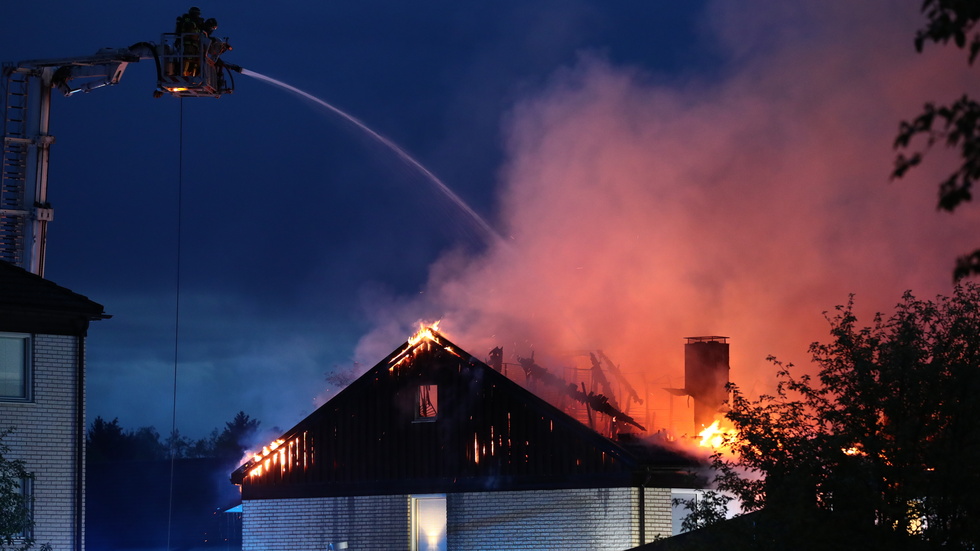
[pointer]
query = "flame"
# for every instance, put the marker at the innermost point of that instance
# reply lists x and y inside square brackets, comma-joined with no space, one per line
[260,466]
[425,332]
[266,450]
[286,456]
[714,436]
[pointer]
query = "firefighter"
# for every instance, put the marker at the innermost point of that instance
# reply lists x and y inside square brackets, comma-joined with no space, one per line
[210,26]
[189,27]
[195,15]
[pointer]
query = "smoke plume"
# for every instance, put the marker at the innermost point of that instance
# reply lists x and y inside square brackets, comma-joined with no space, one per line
[746,201]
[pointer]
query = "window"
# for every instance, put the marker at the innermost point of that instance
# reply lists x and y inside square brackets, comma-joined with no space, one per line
[429,523]
[23,510]
[15,372]
[427,403]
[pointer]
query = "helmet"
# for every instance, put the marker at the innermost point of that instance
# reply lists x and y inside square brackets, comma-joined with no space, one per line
[194,11]
[211,23]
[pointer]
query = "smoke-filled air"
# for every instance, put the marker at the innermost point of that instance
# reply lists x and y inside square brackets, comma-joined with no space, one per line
[639,210]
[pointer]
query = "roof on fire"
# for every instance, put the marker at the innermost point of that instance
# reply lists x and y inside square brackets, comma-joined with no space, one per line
[432,418]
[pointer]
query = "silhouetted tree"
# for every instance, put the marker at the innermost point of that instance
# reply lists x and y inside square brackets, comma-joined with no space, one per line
[236,437]
[957,124]
[107,441]
[706,509]
[183,447]
[883,441]
[145,445]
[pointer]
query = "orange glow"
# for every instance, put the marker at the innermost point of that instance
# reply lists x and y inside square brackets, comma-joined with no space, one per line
[266,450]
[295,453]
[714,436]
[425,332]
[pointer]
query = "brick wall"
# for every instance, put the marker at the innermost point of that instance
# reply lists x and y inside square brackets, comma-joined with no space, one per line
[659,513]
[595,519]
[363,522]
[45,437]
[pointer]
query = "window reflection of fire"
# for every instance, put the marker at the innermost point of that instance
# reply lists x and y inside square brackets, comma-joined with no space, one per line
[428,402]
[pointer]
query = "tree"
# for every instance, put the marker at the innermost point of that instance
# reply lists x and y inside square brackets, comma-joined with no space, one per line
[16,522]
[956,124]
[704,509]
[883,441]
[236,437]
[183,447]
[107,441]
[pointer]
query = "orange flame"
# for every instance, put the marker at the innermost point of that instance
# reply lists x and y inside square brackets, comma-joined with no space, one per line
[426,332]
[854,450]
[258,466]
[714,436]
[266,450]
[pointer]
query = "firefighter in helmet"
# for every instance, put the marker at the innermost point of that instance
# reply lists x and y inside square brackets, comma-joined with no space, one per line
[189,27]
[209,26]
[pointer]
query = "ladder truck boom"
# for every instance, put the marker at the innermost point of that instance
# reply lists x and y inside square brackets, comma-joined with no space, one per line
[182,71]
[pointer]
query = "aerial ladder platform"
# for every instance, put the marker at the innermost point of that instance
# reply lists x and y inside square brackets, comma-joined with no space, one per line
[187,65]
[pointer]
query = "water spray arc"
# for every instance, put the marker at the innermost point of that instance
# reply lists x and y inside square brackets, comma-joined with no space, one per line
[489,234]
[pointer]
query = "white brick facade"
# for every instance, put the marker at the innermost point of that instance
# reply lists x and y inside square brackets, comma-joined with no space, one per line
[46,438]
[595,519]
[375,522]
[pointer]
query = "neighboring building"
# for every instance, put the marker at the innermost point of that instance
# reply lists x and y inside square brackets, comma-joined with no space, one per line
[434,449]
[42,396]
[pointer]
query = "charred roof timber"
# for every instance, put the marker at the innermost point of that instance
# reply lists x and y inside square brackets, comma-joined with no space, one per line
[595,402]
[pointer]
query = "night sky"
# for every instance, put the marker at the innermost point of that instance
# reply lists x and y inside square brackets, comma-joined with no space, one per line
[655,169]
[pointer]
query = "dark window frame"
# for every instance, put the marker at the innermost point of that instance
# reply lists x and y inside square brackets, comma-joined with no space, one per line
[26,367]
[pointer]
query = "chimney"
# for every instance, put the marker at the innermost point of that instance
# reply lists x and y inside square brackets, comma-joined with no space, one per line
[496,360]
[705,377]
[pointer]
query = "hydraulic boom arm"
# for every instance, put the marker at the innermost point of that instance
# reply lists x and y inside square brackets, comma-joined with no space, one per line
[181,71]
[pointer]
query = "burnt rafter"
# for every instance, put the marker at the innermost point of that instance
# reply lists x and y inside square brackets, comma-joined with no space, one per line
[600,377]
[620,377]
[595,402]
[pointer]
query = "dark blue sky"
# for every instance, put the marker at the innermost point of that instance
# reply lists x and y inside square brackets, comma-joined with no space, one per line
[299,235]
[292,223]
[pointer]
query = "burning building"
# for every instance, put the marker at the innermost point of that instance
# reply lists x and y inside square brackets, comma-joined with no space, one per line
[435,449]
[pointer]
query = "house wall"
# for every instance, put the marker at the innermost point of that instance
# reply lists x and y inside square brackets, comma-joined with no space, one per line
[659,514]
[596,519]
[311,524]
[45,438]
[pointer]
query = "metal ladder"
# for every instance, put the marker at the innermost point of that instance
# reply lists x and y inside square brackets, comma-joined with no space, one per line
[14,212]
